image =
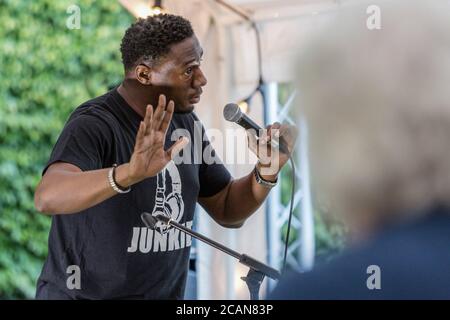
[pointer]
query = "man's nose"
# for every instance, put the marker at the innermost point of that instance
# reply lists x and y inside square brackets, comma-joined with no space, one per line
[200,79]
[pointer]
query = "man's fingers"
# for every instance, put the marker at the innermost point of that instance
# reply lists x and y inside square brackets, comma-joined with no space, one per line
[252,142]
[274,130]
[162,102]
[148,118]
[289,133]
[264,136]
[276,125]
[159,112]
[176,147]
[168,116]
[140,135]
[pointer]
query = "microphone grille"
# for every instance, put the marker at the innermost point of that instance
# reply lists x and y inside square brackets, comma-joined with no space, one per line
[232,112]
[149,220]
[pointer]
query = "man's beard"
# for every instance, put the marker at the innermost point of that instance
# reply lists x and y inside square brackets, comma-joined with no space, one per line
[184,110]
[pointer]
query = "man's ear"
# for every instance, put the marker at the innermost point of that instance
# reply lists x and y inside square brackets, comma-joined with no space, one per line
[143,74]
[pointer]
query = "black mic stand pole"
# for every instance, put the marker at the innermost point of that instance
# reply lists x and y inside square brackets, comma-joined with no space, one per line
[257,271]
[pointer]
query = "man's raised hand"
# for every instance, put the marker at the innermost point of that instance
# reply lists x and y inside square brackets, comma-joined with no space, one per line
[149,156]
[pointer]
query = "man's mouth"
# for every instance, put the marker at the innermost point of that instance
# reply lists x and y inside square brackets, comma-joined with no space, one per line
[195,98]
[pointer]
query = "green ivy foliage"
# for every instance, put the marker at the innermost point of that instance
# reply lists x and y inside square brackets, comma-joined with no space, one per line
[46,70]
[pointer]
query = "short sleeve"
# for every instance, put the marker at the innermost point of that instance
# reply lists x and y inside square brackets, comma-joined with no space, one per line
[213,174]
[84,142]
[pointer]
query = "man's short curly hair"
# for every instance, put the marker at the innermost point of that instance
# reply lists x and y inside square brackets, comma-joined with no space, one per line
[151,38]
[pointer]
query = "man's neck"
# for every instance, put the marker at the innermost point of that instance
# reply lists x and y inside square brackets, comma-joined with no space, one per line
[135,97]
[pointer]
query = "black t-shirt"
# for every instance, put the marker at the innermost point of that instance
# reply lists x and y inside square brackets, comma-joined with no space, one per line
[107,245]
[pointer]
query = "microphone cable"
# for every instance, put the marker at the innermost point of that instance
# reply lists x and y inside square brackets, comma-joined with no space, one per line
[291,211]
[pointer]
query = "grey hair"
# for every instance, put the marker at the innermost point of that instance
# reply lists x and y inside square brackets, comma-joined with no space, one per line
[378,107]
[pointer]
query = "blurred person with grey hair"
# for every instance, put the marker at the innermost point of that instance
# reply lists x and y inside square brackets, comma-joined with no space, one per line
[378,107]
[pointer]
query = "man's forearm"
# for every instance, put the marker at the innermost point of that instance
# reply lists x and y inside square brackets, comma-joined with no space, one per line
[245,196]
[63,192]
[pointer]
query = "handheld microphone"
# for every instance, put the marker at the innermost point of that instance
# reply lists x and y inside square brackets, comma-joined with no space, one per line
[233,113]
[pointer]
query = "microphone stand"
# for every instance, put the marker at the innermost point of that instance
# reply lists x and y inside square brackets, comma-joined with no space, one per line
[257,270]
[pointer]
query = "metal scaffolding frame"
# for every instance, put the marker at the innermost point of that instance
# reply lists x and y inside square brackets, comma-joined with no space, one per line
[301,251]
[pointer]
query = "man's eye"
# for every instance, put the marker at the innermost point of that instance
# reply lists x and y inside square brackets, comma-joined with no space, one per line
[188,71]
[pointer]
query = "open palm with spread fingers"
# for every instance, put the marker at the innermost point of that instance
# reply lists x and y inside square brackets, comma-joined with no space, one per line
[149,156]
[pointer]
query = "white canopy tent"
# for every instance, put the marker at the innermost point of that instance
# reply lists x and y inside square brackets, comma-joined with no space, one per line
[230,64]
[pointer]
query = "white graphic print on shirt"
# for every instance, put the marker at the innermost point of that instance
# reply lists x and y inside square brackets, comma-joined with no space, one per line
[168,202]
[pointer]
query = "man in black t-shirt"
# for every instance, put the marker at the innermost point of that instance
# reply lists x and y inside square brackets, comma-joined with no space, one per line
[115,159]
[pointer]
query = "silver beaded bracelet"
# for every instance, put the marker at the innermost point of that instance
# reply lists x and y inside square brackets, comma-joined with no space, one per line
[112,182]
